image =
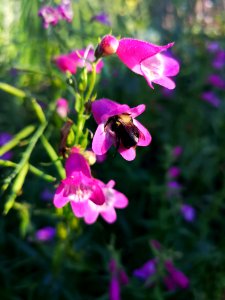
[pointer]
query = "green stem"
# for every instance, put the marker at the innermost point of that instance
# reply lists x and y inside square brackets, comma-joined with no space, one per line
[32,169]
[54,157]
[26,156]
[12,90]
[91,84]
[16,139]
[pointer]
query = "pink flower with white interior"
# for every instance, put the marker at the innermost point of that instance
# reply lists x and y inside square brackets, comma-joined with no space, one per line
[117,126]
[142,58]
[65,10]
[113,199]
[79,186]
[49,15]
[78,59]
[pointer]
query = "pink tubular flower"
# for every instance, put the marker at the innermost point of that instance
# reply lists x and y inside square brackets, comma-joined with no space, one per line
[79,186]
[117,125]
[49,15]
[78,59]
[144,59]
[62,107]
[216,81]
[175,278]
[118,278]
[65,10]
[113,199]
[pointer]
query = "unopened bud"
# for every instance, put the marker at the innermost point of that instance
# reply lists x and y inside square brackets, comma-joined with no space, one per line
[107,46]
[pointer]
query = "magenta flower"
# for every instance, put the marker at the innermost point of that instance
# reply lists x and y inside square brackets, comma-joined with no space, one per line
[118,278]
[142,58]
[117,125]
[65,10]
[79,186]
[113,199]
[62,107]
[5,138]
[175,278]
[188,212]
[78,59]
[49,15]
[173,172]
[216,81]
[211,98]
[177,151]
[45,234]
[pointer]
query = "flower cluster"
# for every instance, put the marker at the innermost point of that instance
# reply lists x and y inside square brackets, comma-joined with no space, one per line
[52,15]
[173,278]
[117,124]
[88,197]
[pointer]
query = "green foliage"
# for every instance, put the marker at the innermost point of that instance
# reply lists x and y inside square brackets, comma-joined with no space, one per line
[74,265]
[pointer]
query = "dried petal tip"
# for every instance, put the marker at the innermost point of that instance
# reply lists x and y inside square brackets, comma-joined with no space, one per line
[107,46]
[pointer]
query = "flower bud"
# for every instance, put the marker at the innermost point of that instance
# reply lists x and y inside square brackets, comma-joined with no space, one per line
[107,46]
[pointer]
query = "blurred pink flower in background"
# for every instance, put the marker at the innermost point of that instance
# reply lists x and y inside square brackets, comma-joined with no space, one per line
[213,47]
[109,117]
[177,151]
[62,107]
[211,98]
[174,172]
[219,60]
[49,15]
[78,59]
[65,10]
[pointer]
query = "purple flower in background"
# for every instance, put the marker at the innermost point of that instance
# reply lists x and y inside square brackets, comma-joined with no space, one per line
[102,18]
[47,195]
[118,278]
[211,98]
[78,59]
[173,172]
[175,278]
[147,270]
[188,212]
[219,60]
[173,188]
[5,138]
[216,81]
[49,15]
[177,151]
[213,46]
[45,234]
[65,10]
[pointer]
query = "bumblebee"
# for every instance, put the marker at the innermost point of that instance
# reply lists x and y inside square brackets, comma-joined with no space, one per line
[124,130]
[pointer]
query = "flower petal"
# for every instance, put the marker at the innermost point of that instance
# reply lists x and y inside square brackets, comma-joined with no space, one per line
[145,137]
[166,82]
[91,215]
[97,195]
[131,52]
[171,66]
[77,163]
[136,111]
[109,215]
[121,200]
[104,108]
[128,154]
[102,140]
[79,208]
[59,200]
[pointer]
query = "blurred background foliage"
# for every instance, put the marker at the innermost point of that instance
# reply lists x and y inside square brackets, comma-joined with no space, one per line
[74,265]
